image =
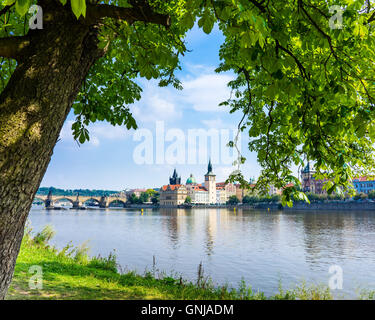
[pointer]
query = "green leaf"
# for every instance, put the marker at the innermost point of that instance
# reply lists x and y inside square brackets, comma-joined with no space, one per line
[8,2]
[188,20]
[278,74]
[22,6]
[79,7]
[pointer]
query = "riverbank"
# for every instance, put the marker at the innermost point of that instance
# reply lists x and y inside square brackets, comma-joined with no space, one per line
[326,205]
[69,274]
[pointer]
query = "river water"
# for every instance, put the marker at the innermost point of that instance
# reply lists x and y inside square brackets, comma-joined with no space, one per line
[263,248]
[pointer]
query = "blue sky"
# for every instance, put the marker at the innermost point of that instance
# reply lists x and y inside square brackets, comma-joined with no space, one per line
[107,161]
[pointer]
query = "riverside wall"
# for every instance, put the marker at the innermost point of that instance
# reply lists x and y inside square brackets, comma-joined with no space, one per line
[329,205]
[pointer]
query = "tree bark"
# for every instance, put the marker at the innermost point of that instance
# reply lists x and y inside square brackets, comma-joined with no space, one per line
[33,108]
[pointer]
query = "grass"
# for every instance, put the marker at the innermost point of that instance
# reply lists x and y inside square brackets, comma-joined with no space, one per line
[70,274]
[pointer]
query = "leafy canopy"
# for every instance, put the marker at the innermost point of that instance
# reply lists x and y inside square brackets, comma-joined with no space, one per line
[305,89]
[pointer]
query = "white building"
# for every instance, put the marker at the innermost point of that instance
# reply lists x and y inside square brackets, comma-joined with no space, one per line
[210,192]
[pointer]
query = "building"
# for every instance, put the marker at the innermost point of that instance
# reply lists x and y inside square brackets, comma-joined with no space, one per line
[137,192]
[273,190]
[241,193]
[191,180]
[310,183]
[210,184]
[197,193]
[175,179]
[364,184]
[207,193]
[229,188]
[221,195]
[173,195]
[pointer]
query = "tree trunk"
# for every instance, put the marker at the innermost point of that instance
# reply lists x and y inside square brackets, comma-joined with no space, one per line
[33,108]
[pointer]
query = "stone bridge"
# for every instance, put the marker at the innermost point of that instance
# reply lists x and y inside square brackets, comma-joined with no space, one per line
[78,201]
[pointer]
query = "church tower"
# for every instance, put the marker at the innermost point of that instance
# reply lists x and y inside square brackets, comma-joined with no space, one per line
[175,179]
[210,184]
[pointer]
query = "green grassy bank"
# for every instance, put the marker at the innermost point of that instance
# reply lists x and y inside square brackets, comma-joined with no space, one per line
[71,274]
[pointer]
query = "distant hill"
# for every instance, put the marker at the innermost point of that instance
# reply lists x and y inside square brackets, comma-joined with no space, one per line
[82,192]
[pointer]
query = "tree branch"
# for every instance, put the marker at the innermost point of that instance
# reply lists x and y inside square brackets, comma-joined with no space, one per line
[372,18]
[140,13]
[5,9]
[12,47]
[299,64]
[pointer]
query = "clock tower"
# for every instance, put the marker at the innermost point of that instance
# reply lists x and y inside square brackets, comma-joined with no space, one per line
[210,184]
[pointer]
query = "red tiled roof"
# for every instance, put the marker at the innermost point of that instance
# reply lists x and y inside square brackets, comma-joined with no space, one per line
[171,186]
[358,179]
[289,185]
[199,188]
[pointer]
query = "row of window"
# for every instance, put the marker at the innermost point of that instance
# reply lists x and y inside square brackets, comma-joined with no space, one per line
[364,185]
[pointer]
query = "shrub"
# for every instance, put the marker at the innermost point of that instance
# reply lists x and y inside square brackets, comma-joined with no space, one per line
[188,199]
[109,263]
[360,196]
[81,253]
[233,200]
[45,235]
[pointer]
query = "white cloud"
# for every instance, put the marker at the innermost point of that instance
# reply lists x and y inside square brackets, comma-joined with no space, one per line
[98,131]
[203,90]
[198,69]
[218,123]
[152,107]
[108,131]
[206,92]
[222,173]
[94,141]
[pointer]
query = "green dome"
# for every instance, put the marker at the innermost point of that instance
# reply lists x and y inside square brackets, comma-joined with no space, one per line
[191,180]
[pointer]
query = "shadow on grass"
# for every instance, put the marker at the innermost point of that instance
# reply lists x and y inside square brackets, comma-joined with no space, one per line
[74,281]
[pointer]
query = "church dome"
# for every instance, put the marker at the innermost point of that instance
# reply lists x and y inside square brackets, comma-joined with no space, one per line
[191,180]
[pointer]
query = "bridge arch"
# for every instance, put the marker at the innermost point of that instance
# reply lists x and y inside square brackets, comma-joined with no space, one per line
[40,199]
[117,201]
[90,200]
[63,199]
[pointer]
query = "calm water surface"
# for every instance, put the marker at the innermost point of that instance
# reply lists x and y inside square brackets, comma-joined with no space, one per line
[260,247]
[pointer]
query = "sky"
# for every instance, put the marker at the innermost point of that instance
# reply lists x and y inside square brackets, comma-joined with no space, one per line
[168,121]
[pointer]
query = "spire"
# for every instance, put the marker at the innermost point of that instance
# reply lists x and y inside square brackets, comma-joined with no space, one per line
[175,179]
[209,167]
[307,168]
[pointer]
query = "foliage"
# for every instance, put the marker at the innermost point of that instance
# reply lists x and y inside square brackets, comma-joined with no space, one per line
[144,197]
[325,197]
[256,199]
[233,200]
[155,200]
[371,194]
[45,235]
[188,199]
[305,89]
[360,196]
[81,192]
[151,192]
[133,199]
